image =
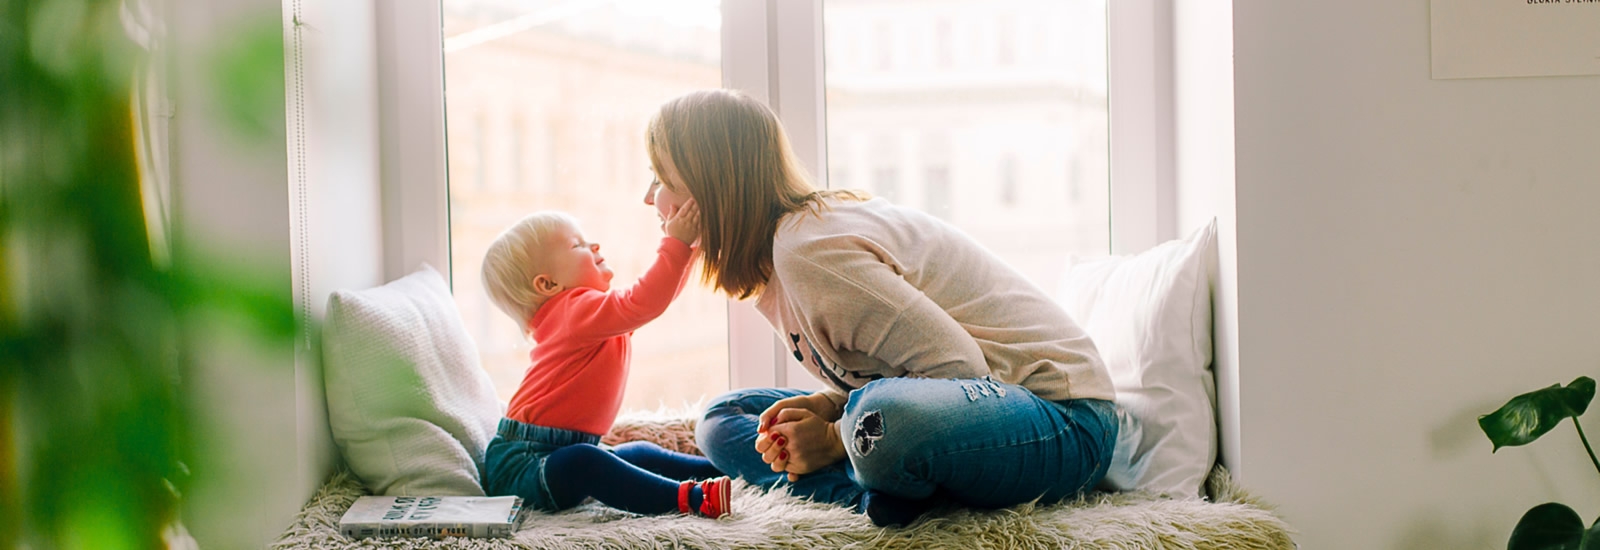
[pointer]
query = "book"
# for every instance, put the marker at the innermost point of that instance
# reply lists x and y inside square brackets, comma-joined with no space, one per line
[433,517]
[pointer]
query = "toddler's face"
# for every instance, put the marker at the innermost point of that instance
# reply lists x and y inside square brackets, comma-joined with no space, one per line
[573,261]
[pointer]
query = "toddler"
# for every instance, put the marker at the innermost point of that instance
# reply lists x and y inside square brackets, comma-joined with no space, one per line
[544,274]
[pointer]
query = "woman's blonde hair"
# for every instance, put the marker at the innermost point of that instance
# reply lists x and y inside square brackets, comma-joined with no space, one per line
[733,155]
[515,258]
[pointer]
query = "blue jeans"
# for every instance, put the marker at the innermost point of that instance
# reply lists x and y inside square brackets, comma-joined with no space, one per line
[514,463]
[553,469]
[981,443]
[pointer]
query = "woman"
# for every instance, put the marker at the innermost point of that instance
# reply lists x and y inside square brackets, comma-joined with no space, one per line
[950,375]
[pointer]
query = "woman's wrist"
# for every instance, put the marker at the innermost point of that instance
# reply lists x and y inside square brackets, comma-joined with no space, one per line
[825,407]
[836,450]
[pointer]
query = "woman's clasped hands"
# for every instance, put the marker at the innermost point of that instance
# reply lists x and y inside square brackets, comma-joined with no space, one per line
[797,435]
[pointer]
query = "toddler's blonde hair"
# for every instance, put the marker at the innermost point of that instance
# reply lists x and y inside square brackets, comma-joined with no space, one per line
[515,258]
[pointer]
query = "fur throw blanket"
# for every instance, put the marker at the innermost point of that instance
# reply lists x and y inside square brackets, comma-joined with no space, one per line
[1231,519]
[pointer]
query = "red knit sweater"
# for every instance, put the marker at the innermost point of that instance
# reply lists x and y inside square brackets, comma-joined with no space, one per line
[583,335]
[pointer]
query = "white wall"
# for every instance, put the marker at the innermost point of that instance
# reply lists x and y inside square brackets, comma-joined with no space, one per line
[1202,66]
[1410,254]
[301,204]
[229,193]
[333,147]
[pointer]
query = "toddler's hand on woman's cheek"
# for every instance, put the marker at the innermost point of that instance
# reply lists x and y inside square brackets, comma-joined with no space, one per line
[684,223]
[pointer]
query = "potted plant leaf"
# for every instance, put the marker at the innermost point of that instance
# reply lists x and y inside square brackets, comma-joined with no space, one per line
[1551,525]
[97,406]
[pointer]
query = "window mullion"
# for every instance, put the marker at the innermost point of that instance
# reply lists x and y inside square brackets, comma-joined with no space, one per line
[416,219]
[755,355]
[796,45]
[1140,72]
[799,81]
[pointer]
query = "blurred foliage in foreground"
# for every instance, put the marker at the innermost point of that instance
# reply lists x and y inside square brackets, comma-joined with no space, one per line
[95,418]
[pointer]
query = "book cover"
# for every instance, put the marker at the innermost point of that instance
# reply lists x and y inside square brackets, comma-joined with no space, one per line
[433,517]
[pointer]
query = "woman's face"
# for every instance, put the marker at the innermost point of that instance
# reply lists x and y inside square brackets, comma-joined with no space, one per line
[661,194]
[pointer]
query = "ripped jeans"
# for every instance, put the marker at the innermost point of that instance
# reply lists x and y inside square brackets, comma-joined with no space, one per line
[980,443]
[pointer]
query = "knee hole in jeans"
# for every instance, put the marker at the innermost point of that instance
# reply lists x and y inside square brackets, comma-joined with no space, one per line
[869,425]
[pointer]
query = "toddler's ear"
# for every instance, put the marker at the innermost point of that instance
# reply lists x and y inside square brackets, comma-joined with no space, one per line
[546,286]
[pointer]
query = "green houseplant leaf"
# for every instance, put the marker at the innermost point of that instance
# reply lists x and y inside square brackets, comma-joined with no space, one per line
[1553,526]
[98,393]
[1548,526]
[1532,414]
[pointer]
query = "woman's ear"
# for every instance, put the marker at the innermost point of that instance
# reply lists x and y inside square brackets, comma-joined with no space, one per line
[545,286]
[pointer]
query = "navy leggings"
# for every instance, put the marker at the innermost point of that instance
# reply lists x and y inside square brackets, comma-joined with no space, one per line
[639,477]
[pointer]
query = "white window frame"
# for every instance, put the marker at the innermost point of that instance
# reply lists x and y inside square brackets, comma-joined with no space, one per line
[772,50]
[411,121]
[1140,93]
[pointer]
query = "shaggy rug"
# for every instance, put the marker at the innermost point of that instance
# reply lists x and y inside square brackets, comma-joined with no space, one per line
[1231,519]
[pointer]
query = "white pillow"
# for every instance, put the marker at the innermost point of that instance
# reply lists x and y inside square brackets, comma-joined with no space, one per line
[409,406]
[1150,316]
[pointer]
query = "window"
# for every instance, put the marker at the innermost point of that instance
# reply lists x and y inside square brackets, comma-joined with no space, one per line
[937,196]
[517,153]
[859,84]
[886,182]
[1011,109]
[596,72]
[479,169]
[882,46]
[1005,40]
[1008,181]
[943,45]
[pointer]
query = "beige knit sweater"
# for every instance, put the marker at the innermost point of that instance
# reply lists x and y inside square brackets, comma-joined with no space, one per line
[869,290]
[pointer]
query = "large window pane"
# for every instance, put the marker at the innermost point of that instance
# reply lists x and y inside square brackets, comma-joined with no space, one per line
[990,114]
[546,105]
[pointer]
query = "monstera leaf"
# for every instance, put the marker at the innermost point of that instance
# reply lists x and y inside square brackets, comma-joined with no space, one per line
[1530,415]
[1549,526]
[1553,526]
